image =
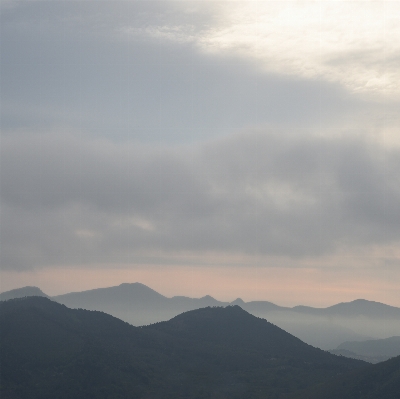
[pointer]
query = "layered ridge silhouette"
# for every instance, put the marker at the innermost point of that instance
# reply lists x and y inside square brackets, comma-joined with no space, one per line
[51,351]
[325,328]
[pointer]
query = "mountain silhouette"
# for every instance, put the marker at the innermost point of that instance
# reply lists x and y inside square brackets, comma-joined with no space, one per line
[378,381]
[356,308]
[237,328]
[136,292]
[51,351]
[22,292]
[325,328]
[386,347]
[373,351]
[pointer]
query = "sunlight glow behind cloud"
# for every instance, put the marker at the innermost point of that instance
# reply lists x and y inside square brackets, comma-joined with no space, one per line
[354,43]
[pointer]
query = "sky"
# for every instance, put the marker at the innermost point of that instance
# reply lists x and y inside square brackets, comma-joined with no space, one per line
[236,149]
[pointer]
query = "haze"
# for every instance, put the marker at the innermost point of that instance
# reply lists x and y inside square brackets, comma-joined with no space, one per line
[236,149]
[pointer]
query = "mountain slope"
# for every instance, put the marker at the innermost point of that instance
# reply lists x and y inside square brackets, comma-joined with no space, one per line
[372,351]
[357,308]
[377,347]
[21,292]
[135,303]
[51,351]
[139,293]
[378,381]
[235,327]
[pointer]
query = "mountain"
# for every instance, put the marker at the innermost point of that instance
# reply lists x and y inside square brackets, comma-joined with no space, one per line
[357,308]
[51,351]
[372,351]
[378,381]
[326,328]
[261,306]
[21,292]
[237,328]
[386,347]
[359,320]
[135,303]
[322,333]
[123,294]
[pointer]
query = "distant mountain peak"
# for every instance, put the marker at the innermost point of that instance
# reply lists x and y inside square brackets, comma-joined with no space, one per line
[357,301]
[360,301]
[238,301]
[136,284]
[207,297]
[22,292]
[214,312]
[119,296]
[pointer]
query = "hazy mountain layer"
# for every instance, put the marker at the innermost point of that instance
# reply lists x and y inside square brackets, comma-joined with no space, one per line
[21,292]
[51,351]
[325,328]
[135,303]
[372,351]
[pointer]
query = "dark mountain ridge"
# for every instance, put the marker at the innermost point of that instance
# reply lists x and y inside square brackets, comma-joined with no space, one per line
[51,351]
[233,326]
[378,381]
[325,328]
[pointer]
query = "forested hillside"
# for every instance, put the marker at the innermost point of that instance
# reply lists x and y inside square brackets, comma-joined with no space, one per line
[51,351]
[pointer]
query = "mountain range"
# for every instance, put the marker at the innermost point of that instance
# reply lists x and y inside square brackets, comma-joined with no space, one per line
[326,328]
[51,351]
[373,351]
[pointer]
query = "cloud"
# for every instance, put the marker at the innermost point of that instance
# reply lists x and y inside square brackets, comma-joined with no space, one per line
[181,129]
[156,92]
[301,38]
[160,71]
[307,40]
[73,200]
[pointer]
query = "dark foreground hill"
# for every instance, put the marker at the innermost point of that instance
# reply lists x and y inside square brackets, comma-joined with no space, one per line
[378,381]
[51,351]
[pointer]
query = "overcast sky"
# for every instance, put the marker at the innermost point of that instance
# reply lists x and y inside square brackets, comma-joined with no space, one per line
[244,149]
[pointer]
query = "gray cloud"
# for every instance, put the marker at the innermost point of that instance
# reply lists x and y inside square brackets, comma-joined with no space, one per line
[68,64]
[106,78]
[72,200]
